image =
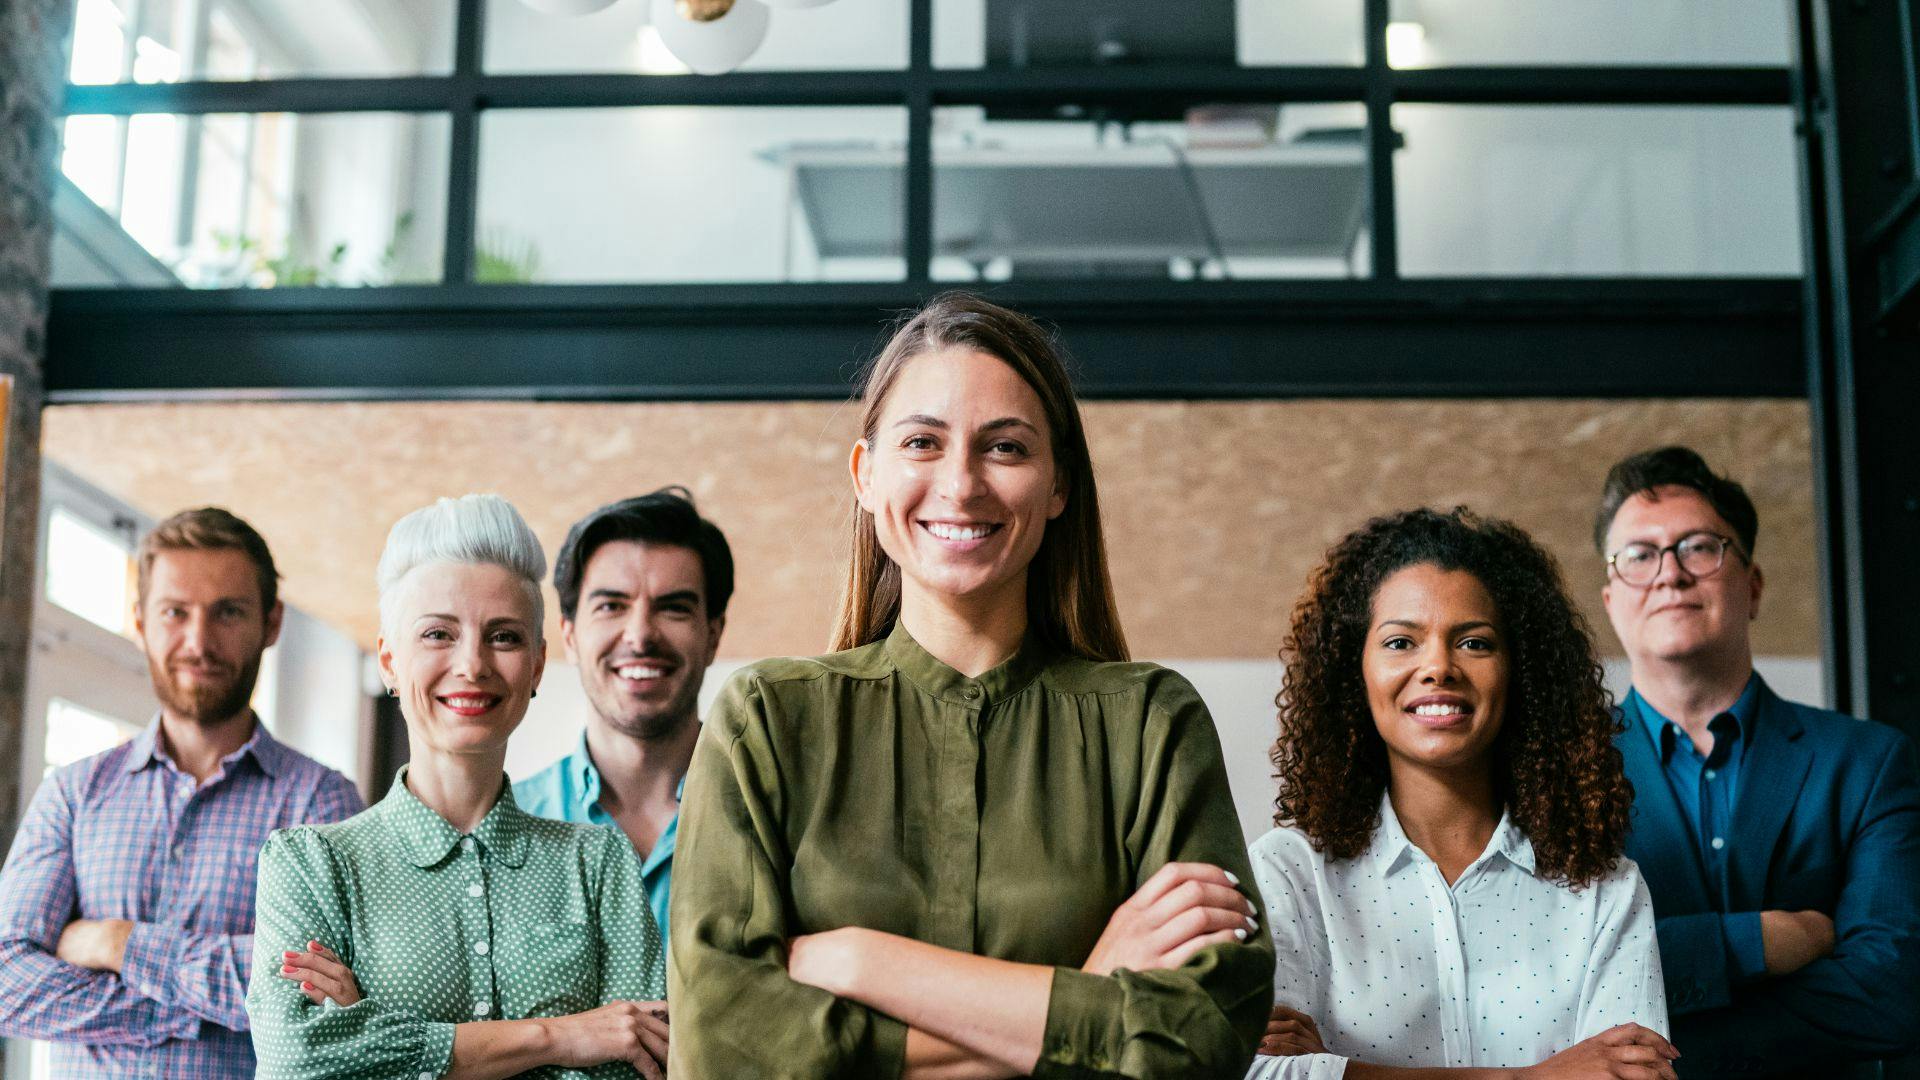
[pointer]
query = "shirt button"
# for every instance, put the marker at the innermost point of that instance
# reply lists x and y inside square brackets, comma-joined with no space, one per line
[1719,842]
[973,693]
[481,1008]
[466,843]
[480,947]
[1711,774]
[476,889]
[426,1076]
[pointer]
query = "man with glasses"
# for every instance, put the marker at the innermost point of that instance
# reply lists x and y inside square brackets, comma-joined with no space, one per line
[1781,842]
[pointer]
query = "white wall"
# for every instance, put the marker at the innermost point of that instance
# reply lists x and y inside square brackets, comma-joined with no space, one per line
[312,693]
[1239,694]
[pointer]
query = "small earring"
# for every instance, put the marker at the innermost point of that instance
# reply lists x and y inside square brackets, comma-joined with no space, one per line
[391,692]
[535,694]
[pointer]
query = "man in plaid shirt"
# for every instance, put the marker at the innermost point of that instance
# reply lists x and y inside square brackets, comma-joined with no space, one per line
[126,904]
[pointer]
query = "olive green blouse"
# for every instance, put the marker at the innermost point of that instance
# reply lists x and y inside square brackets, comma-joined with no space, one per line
[523,917]
[1006,816]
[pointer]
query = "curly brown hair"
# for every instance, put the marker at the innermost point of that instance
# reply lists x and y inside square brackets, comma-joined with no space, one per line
[1555,765]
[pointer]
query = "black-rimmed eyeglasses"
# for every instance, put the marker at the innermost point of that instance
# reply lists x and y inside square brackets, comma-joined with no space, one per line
[1699,554]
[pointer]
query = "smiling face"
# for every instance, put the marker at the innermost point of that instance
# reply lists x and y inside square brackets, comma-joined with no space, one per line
[203,631]
[1679,617]
[642,637]
[1435,668]
[960,477]
[464,657]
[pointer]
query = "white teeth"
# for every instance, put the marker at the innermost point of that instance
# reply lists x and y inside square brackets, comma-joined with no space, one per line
[635,671]
[958,532]
[1438,710]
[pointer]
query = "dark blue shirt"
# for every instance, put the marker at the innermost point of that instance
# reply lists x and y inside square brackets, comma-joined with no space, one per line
[1705,787]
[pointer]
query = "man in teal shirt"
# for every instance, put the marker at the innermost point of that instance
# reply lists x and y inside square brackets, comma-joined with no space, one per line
[643,587]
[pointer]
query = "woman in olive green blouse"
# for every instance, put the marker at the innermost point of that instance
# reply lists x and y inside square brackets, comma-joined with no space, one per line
[444,932]
[972,843]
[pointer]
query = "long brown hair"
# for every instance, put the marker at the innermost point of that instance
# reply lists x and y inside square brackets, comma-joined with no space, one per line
[1069,593]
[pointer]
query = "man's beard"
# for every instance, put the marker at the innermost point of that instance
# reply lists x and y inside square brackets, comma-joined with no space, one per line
[205,703]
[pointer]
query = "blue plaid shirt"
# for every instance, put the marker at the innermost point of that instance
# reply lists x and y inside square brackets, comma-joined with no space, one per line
[127,835]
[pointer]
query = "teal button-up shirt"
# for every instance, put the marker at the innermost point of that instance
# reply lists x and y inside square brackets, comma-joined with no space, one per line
[569,790]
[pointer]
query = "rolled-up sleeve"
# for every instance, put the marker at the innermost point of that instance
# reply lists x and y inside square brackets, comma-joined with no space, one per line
[1205,1017]
[1623,983]
[300,898]
[735,1010]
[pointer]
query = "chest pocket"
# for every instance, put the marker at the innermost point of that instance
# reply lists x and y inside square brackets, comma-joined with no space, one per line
[549,969]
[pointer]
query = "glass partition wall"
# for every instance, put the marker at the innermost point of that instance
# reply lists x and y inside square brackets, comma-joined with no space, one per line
[244,144]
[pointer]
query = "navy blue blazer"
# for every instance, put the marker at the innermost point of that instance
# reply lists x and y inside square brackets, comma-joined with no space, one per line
[1827,817]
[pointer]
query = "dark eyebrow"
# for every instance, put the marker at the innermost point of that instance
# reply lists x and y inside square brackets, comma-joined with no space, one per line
[507,620]
[1471,624]
[1007,422]
[614,594]
[679,596]
[923,420]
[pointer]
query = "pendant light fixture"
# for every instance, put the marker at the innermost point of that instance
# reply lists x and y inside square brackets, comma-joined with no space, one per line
[711,36]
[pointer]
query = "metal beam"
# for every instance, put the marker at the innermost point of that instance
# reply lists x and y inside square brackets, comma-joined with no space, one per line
[1662,338]
[1089,85]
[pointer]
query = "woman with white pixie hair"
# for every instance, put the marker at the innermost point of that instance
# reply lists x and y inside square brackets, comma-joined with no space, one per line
[444,932]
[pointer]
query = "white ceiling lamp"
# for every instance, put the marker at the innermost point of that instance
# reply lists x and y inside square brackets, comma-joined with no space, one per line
[568,7]
[711,36]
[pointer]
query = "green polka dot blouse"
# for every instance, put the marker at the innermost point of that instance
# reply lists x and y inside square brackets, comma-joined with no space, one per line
[521,918]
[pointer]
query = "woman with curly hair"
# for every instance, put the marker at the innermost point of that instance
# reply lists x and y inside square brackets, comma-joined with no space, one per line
[1445,890]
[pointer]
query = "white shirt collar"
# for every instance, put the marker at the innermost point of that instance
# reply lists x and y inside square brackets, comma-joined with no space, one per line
[1390,849]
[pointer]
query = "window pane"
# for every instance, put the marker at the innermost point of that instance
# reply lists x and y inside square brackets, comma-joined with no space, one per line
[1579,191]
[845,35]
[74,733]
[260,200]
[1730,32]
[691,194]
[1053,33]
[1244,191]
[87,570]
[260,39]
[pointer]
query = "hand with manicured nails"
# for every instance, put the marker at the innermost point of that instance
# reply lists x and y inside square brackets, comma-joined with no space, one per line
[1625,1052]
[631,1031]
[321,975]
[1182,908]
[1291,1032]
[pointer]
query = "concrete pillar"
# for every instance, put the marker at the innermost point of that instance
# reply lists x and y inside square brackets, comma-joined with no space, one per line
[33,37]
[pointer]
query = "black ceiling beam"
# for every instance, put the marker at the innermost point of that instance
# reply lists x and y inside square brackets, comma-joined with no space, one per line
[1078,85]
[1595,86]
[1616,338]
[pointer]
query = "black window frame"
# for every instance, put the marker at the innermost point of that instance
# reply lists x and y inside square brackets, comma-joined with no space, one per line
[1466,337]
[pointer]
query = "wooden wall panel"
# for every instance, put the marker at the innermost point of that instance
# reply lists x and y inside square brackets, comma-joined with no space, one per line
[1215,511]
